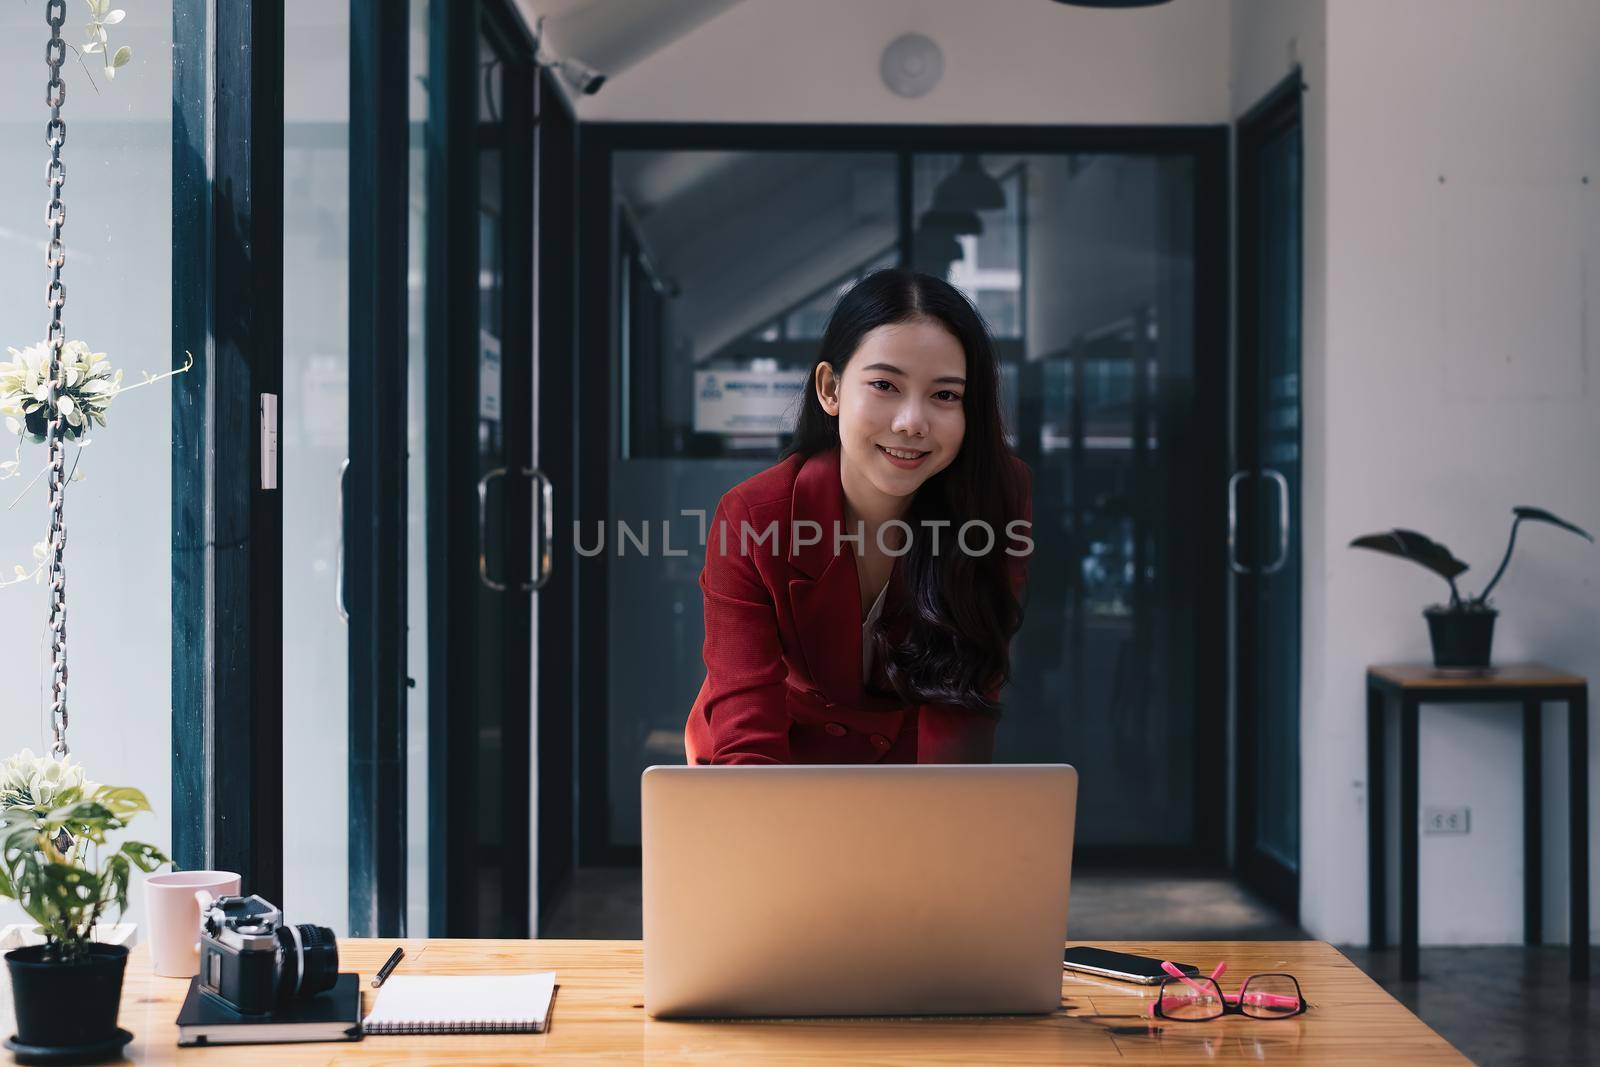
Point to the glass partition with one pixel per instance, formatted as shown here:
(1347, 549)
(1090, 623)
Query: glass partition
(729, 264)
(1084, 266)
(313, 438)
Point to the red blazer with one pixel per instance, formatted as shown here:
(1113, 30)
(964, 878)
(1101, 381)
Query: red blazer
(783, 640)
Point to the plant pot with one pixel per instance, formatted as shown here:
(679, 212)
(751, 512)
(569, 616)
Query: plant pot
(1460, 638)
(66, 1003)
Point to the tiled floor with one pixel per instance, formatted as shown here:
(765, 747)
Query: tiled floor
(1497, 1004)
(1106, 906)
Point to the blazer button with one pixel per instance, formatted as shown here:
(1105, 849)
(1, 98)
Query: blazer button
(882, 742)
(836, 729)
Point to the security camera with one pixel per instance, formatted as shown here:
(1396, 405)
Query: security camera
(580, 76)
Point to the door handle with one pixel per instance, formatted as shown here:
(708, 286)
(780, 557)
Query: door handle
(1283, 520)
(338, 552)
(483, 527)
(546, 554)
(1233, 523)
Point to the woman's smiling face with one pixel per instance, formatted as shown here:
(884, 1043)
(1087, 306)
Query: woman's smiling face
(899, 405)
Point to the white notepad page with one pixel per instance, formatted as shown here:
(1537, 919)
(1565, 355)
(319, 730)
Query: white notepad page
(420, 1004)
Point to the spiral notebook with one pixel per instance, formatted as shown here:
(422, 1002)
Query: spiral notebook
(463, 1004)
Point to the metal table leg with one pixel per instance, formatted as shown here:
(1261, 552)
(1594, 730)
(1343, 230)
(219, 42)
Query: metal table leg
(1409, 818)
(1578, 830)
(1377, 882)
(1532, 839)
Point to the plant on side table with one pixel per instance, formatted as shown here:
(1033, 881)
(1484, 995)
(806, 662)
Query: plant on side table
(57, 861)
(1461, 632)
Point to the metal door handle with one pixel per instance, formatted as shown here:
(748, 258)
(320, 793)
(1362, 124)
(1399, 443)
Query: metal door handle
(483, 527)
(1283, 520)
(546, 555)
(1233, 522)
(338, 556)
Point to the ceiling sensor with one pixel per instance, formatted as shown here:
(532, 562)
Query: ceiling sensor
(912, 65)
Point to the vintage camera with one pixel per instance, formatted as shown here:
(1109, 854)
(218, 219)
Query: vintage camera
(252, 961)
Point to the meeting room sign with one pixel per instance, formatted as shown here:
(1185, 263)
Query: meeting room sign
(747, 401)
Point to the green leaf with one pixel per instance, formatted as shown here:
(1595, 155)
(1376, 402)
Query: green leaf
(146, 857)
(116, 873)
(121, 58)
(1416, 547)
(123, 799)
(1540, 515)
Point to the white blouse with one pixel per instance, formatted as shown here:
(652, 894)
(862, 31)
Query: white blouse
(866, 633)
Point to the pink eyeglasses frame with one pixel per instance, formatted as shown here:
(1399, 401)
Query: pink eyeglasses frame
(1232, 1003)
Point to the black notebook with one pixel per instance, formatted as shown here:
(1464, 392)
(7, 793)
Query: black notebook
(331, 1016)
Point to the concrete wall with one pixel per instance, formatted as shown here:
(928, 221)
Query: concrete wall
(1005, 61)
(1448, 378)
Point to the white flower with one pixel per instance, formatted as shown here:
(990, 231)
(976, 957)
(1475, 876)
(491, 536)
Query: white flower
(37, 782)
(86, 386)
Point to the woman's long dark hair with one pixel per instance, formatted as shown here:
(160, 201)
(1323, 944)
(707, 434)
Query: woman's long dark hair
(959, 608)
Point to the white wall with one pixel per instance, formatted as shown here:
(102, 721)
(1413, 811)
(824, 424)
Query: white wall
(1448, 378)
(1005, 61)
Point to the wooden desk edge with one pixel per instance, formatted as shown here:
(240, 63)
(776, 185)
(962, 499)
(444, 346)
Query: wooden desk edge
(1415, 676)
(598, 1014)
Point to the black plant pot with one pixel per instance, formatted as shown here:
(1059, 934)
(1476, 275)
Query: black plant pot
(61, 1004)
(1461, 638)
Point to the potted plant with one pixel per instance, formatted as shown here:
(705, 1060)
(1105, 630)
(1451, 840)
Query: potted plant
(1461, 631)
(57, 861)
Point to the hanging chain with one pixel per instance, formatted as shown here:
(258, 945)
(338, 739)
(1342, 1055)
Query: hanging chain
(55, 257)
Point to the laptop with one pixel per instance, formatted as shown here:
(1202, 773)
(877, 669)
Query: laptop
(850, 890)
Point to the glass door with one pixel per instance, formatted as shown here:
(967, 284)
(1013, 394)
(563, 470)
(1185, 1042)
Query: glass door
(409, 409)
(484, 541)
(1264, 498)
(715, 265)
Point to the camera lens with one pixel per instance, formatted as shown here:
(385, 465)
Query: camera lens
(308, 961)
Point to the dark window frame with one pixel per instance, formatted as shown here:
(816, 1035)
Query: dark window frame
(374, 495)
(227, 532)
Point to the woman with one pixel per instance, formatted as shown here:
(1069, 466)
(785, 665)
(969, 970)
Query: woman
(860, 595)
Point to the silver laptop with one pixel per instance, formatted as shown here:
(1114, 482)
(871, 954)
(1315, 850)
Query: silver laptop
(847, 890)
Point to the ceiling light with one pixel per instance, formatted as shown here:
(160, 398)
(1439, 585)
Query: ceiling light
(969, 188)
(952, 220)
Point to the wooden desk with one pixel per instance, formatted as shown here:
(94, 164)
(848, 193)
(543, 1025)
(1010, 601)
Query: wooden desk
(1530, 686)
(599, 1017)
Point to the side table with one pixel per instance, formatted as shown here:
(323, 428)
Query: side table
(1528, 684)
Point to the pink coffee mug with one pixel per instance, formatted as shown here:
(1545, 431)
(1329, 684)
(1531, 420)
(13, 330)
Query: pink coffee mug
(174, 915)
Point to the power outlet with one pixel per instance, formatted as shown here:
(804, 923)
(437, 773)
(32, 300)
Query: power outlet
(1446, 820)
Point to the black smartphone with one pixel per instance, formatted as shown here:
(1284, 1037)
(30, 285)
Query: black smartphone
(1120, 965)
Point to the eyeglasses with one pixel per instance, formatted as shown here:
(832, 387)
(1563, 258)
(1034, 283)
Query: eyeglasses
(1189, 998)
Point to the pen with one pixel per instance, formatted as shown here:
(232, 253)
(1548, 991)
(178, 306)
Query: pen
(388, 967)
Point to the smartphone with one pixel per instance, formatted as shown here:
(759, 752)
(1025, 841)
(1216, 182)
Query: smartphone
(1120, 965)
